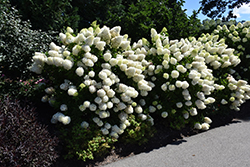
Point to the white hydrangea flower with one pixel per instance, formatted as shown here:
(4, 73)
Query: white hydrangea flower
(125, 98)
(207, 120)
(179, 104)
(101, 93)
(50, 90)
(171, 87)
(188, 103)
(115, 100)
(100, 45)
(79, 71)
(64, 86)
(143, 117)
(185, 92)
(152, 109)
(82, 108)
(200, 104)
(173, 61)
(205, 126)
(123, 116)
(159, 106)
(187, 97)
(89, 40)
(65, 120)
(181, 68)
(121, 106)
(72, 92)
(200, 95)
(164, 114)
(186, 115)
(92, 107)
(53, 53)
(105, 99)
(67, 64)
(193, 111)
(198, 126)
(100, 123)
(92, 89)
(110, 105)
(96, 119)
(114, 134)
(63, 107)
(164, 87)
(76, 49)
(108, 82)
(84, 124)
(174, 74)
(178, 84)
(107, 126)
(103, 114)
(223, 101)
(110, 93)
(102, 106)
(116, 129)
(116, 41)
(104, 131)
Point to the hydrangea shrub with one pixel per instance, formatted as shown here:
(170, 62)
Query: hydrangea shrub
(190, 76)
(236, 35)
(108, 87)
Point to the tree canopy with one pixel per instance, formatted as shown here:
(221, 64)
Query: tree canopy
(136, 17)
(217, 8)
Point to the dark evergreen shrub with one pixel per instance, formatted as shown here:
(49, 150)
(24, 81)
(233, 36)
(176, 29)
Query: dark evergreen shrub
(18, 42)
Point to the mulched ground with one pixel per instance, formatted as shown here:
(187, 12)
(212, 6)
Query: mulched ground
(163, 137)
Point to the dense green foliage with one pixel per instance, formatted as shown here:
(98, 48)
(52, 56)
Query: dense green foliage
(49, 14)
(136, 17)
(18, 42)
(139, 17)
(24, 141)
(216, 8)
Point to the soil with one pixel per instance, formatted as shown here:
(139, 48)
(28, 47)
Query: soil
(163, 137)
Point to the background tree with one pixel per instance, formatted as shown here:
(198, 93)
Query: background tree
(135, 17)
(48, 14)
(138, 17)
(216, 8)
(91, 10)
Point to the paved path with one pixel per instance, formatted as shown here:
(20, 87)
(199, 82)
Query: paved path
(225, 146)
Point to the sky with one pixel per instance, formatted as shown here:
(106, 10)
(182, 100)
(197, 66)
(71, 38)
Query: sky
(242, 13)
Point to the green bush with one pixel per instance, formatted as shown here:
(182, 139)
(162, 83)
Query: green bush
(29, 89)
(18, 42)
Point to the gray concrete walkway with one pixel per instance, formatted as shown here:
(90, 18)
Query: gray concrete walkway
(225, 146)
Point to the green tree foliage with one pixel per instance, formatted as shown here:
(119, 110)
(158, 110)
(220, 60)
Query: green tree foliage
(216, 8)
(48, 14)
(138, 17)
(91, 10)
